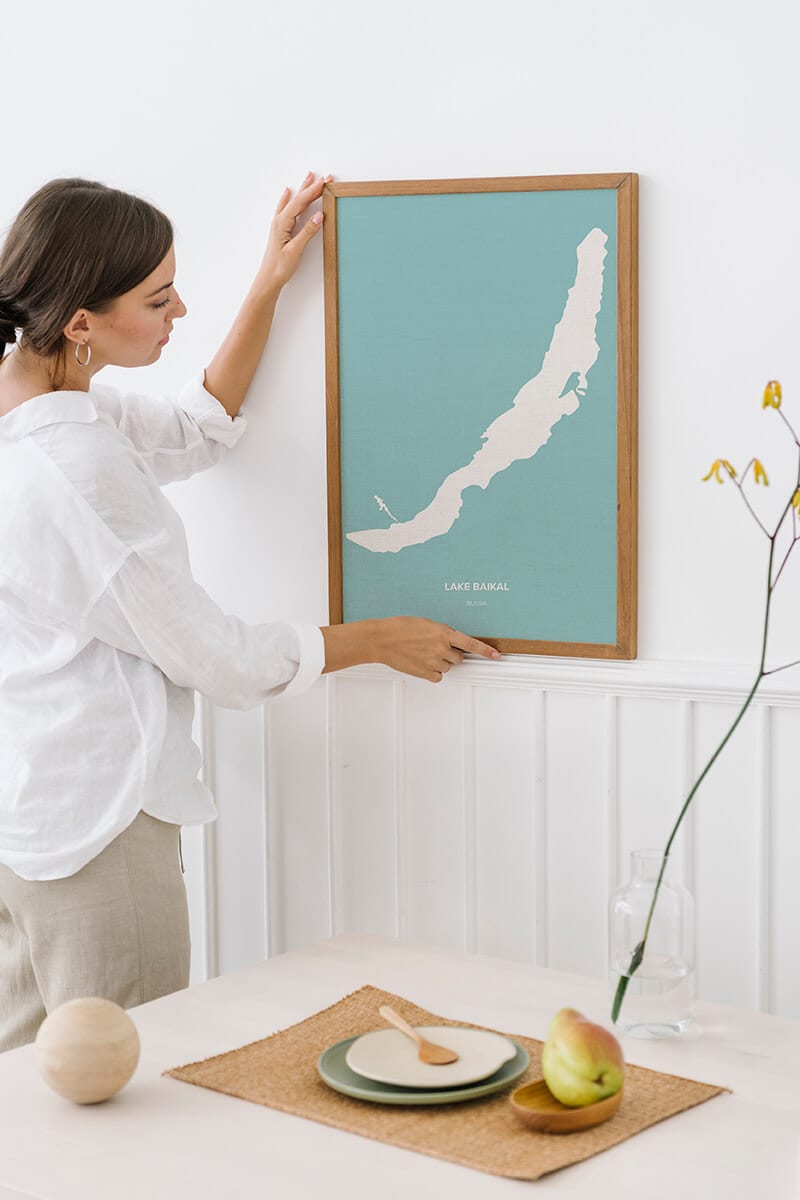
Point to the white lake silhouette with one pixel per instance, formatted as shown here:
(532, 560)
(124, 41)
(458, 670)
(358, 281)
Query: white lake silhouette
(521, 430)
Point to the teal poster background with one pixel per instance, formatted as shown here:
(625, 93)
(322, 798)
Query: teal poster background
(447, 306)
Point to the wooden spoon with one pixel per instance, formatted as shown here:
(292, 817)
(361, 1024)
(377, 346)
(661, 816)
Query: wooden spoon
(429, 1052)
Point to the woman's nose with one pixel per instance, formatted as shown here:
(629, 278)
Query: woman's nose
(180, 310)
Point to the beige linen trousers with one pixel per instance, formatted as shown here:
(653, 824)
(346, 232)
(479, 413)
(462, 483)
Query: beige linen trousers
(118, 928)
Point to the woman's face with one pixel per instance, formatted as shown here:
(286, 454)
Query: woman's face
(135, 328)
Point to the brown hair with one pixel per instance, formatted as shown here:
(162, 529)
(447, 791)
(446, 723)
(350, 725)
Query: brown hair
(75, 244)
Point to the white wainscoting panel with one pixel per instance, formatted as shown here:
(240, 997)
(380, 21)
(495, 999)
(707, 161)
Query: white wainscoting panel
(577, 832)
(727, 813)
(782, 880)
(651, 781)
(505, 856)
(433, 849)
(364, 805)
(299, 875)
(240, 838)
(200, 861)
(496, 812)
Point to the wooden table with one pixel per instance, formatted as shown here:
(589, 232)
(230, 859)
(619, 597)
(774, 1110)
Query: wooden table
(160, 1138)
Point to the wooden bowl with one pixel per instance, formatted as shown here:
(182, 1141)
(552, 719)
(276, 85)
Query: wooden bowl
(537, 1107)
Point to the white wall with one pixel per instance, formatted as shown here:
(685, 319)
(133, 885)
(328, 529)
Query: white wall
(210, 111)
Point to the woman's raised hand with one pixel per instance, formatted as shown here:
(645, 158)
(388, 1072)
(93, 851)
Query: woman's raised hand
(286, 242)
(413, 645)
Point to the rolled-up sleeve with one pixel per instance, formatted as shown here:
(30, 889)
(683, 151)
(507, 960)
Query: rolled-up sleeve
(158, 612)
(176, 437)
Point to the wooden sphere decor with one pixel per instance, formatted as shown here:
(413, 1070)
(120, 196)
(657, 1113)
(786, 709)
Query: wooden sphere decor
(87, 1049)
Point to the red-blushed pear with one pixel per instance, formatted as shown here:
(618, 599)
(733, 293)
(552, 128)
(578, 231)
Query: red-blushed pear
(563, 1016)
(581, 1062)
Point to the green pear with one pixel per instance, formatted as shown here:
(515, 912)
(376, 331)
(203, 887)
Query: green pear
(581, 1062)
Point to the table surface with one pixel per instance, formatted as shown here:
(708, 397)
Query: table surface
(163, 1138)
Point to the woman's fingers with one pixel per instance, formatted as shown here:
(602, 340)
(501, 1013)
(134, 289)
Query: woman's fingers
(311, 227)
(473, 646)
(452, 655)
(283, 200)
(310, 189)
(286, 243)
(426, 649)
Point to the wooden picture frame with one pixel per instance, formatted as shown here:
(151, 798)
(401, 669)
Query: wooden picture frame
(442, 297)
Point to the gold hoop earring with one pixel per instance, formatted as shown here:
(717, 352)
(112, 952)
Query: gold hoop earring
(88, 354)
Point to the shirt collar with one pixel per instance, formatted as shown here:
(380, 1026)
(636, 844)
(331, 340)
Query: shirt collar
(52, 408)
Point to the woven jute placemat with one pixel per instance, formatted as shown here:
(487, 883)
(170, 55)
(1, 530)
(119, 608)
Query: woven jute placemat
(281, 1072)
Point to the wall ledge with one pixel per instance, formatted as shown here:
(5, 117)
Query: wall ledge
(649, 679)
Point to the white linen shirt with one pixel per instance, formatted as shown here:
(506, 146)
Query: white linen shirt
(105, 634)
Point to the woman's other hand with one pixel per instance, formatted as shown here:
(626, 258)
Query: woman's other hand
(286, 242)
(412, 645)
(230, 372)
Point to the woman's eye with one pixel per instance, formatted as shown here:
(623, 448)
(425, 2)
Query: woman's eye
(162, 304)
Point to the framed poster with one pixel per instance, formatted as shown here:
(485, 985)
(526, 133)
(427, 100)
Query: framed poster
(481, 360)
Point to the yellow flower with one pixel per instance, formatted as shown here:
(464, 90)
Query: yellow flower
(772, 395)
(796, 500)
(759, 474)
(715, 470)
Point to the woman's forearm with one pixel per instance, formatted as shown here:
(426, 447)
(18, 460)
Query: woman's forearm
(231, 370)
(349, 645)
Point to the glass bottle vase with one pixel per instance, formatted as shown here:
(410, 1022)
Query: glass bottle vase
(660, 997)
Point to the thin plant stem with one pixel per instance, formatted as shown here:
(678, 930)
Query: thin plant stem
(638, 953)
(788, 425)
(785, 558)
(785, 667)
(750, 508)
(637, 956)
(789, 507)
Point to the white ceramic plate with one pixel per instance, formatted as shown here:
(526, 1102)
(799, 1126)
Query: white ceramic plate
(335, 1072)
(388, 1056)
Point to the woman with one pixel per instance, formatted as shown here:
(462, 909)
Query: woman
(106, 635)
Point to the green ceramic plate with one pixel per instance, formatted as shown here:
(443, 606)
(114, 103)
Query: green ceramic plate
(336, 1073)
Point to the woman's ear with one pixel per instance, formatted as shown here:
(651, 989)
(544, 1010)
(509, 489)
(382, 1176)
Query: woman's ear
(77, 327)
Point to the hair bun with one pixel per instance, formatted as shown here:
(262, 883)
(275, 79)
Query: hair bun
(9, 324)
